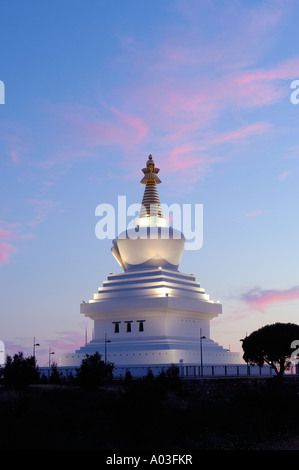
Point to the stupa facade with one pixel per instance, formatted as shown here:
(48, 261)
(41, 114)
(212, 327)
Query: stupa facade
(151, 314)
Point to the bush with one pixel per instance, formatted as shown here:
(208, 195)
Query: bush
(19, 371)
(93, 372)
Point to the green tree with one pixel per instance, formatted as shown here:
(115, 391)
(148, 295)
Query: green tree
(173, 372)
(19, 371)
(93, 372)
(56, 377)
(271, 344)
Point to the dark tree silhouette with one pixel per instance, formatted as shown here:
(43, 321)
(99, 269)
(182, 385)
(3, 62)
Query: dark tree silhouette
(271, 344)
(56, 377)
(19, 371)
(93, 372)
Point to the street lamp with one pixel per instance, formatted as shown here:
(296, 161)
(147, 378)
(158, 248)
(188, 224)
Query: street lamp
(106, 341)
(34, 344)
(50, 352)
(201, 360)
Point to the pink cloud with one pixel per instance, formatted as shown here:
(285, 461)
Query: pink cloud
(66, 155)
(286, 174)
(186, 70)
(257, 88)
(98, 125)
(16, 148)
(259, 299)
(4, 234)
(5, 252)
(293, 152)
(190, 161)
(244, 132)
(6, 248)
(17, 141)
(8, 239)
(182, 157)
(184, 117)
(134, 123)
(82, 132)
(65, 341)
(194, 160)
(253, 214)
(101, 132)
(186, 45)
(68, 341)
(184, 85)
(179, 110)
(284, 71)
(42, 207)
(184, 111)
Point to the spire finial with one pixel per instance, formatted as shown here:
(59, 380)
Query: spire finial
(150, 172)
(150, 202)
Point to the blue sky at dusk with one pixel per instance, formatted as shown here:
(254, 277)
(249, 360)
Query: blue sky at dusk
(91, 89)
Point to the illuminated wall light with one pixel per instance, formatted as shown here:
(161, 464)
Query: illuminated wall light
(164, 291)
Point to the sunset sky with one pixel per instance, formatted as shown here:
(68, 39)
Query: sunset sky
(91, 89)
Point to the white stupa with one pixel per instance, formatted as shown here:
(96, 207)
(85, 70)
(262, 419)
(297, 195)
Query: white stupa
(151, 314)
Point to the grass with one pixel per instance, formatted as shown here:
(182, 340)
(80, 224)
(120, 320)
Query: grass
(214, 415)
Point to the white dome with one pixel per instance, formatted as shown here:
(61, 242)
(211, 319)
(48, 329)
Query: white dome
(148, 247)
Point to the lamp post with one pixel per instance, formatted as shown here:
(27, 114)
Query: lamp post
(106, 341)
(34, 345)
(50, 352)
(201, 359)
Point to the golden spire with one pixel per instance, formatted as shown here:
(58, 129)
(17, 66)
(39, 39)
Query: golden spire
(150, 203)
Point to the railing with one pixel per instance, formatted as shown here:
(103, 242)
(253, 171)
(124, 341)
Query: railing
(225, 371)
(185, 371)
